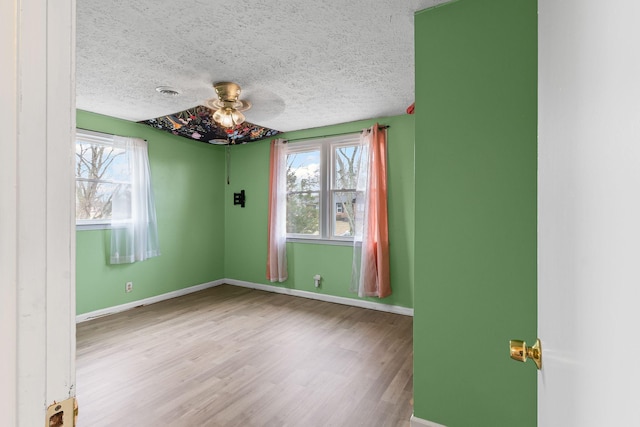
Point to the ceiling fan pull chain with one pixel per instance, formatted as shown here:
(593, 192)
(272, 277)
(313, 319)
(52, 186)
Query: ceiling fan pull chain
(228, 163)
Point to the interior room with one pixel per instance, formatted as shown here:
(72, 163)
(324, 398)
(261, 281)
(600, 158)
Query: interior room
(454, 87)
(207, 243)
(315, 86)
(512, 215)
(310, 72)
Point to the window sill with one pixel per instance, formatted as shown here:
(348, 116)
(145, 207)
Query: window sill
(332, 242)
(87, 227)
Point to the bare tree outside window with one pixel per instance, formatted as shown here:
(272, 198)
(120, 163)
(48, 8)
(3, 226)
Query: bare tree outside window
(347, 160)
(100, 171)
(303, 193)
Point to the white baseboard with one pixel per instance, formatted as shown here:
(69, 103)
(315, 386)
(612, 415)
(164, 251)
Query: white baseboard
(419, 422)
(146, 301)
(324, 297)
(269, 288)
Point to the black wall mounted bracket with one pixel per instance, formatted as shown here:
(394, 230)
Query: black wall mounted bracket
(238, 198)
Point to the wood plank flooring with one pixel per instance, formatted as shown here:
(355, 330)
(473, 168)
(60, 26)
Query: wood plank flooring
(231, 356)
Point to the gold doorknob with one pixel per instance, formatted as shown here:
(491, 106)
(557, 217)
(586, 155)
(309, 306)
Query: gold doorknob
(520, 351)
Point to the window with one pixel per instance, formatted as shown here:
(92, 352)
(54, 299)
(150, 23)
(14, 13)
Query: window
(102, 169)
(321, 188)
(113, 190)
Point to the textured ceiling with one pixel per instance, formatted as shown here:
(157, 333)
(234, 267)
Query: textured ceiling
(301, 64)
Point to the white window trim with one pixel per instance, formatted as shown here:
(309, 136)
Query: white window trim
(327, 146)
(85, 225)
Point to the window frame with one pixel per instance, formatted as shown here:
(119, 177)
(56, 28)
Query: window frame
(327, 147)
(94, 138)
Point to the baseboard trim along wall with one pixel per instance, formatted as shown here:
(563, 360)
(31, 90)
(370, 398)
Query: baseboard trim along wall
(146, 301)
(259, 286)
(324, 297)
(419, 422)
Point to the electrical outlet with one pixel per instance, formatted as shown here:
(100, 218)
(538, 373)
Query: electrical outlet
(128, 287)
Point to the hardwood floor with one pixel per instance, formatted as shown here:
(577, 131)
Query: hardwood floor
(231, 356)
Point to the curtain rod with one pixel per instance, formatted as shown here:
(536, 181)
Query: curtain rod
(334, 134)
(99, 134)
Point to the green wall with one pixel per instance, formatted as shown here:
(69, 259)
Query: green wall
(246, 228)
(188, 183)
(204, 237)
(475, 270)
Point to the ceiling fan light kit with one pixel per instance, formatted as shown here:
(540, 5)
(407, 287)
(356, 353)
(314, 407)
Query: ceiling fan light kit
(228, 117)
(228, 109)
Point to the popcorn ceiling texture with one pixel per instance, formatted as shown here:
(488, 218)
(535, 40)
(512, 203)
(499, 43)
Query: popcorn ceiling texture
(301, 64)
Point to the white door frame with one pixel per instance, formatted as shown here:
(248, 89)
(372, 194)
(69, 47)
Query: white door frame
(37, 229)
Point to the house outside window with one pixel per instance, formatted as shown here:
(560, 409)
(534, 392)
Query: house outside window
(321, 188)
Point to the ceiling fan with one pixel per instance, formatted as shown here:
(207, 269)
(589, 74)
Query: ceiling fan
(228, 108)
(219, 121)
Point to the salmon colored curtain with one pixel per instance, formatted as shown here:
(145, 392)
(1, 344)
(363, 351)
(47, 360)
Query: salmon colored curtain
(370, 271)
(277, 227)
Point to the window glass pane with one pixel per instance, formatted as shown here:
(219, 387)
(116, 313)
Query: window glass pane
(343, 204)
(346, 160)
(103, 162)
(102, 180)
(303, 171)
(93, 199)
(303, 213)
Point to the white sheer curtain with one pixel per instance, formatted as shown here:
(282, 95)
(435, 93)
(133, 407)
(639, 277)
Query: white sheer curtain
(370, 269)
(277, 228)
(134, 230)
